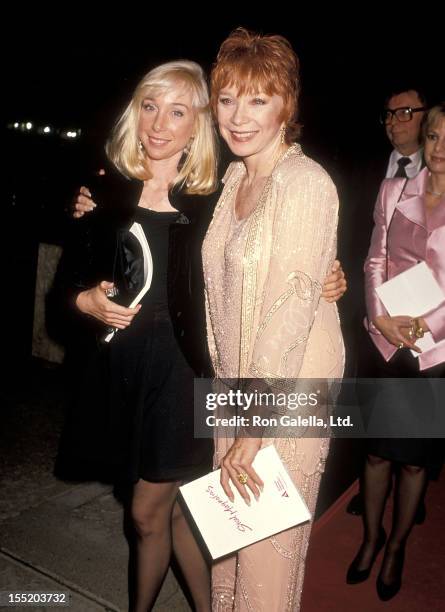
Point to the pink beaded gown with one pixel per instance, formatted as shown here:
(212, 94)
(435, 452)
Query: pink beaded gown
(266, 319)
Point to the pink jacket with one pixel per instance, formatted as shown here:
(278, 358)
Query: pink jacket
(412, 238)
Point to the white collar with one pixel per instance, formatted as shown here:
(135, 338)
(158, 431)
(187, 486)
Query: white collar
(411, 169)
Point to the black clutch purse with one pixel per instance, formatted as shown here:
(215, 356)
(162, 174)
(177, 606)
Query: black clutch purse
(132, 270)
(128, 269)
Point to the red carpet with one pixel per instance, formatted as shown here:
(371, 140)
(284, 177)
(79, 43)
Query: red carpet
(335, 541)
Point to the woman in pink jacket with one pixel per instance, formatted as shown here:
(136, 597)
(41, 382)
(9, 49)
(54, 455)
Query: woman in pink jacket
(409, 228)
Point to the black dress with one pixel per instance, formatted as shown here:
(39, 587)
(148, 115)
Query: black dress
(130, 413)
(152, 383)
(422, 452)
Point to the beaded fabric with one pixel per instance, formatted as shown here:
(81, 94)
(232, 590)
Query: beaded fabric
(265, 319)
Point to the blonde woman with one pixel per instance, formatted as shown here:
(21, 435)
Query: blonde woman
(163, 170)
(409, 228)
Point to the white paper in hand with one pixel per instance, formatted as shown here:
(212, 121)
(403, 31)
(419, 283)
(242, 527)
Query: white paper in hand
(226, 526)
(413, 293)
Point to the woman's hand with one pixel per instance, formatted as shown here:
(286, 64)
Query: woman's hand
(95, 303)
(397, 331)
(238, 461)
(82, 203)
(335, 283)
(421, 323)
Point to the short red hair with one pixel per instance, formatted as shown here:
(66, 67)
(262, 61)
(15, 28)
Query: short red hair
(252, 63)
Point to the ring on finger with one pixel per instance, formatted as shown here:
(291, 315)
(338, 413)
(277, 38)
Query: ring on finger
(113, 291)
(242, 478)
(401, 345)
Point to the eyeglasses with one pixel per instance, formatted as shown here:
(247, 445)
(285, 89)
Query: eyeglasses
(404, 113)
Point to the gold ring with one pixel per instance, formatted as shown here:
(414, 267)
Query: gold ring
(401, 345)
(242, 478)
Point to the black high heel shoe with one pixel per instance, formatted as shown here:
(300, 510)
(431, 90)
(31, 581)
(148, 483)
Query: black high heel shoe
(355, 575)
(388, 591)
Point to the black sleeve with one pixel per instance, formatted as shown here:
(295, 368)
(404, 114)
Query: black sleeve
(75, 273)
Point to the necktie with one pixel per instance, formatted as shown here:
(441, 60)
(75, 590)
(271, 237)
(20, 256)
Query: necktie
(401, 172)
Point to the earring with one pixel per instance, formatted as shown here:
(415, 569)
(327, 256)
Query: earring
(140, 146)
(283, 134)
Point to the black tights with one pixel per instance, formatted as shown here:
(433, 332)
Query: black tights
(160, 527)
(410, 485)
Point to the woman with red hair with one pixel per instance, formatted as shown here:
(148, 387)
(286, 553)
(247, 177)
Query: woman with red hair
(269, 246)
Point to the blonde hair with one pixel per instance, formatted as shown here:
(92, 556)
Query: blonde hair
(197, 169)
(434, 115)
(252, 62)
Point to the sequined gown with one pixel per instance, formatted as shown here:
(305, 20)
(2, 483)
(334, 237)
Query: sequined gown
(265, 319)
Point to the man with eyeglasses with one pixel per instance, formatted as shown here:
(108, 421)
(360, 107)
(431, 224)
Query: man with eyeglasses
(402, 117)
